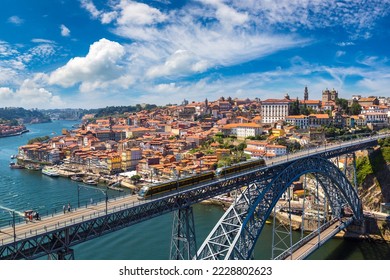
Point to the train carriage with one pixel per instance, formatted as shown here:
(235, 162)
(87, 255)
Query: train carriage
(158, 189)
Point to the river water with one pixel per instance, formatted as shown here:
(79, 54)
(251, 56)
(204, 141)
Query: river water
(22, 189)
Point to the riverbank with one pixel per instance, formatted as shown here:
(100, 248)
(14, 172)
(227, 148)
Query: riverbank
(11, 134)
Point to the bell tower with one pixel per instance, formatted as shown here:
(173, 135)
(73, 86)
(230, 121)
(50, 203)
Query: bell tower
(306, 94)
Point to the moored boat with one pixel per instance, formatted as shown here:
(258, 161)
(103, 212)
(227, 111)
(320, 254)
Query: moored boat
(14, 165)
(90, 182)
(50, 172)
(76, 178)
(33, 167)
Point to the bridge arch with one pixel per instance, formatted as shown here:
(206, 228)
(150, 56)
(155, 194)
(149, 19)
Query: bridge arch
(334, 183)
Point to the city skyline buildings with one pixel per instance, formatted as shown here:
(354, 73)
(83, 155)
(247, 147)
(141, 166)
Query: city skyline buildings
(93, 53)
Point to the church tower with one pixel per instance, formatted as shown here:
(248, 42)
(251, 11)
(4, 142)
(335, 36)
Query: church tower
(306, 94)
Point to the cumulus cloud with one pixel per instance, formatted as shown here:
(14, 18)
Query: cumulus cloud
(29, 95)
(134, 13)
(179, 63)
(65, 32)
(227, 15)
(204, 35)
(99, 66)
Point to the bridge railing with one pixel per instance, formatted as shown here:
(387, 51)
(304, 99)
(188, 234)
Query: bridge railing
(304, 240)
(67, 223)
(294, 156)
(326, 147)
(19, 219)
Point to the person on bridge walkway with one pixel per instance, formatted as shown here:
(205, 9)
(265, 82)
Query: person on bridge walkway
(63, 208)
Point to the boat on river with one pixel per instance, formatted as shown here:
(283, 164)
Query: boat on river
(50, 172)
(89, 181)
(14, 165)
(33, 167)
(76, 178)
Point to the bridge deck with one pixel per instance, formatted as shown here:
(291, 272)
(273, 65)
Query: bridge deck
(61, 220)
(310, 246)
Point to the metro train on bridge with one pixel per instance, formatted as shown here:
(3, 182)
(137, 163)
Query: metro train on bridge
(157, 189)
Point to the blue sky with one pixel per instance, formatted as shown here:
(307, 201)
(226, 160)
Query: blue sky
(95, 53)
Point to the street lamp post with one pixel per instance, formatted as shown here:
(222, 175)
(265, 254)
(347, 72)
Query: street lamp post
(78, 196)
(106, 199)
(13, 225)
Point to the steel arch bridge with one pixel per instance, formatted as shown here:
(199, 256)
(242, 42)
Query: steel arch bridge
(235, 236)
(232, 238)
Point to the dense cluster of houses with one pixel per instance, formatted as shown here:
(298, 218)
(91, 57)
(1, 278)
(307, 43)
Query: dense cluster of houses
(191, 137)
(11, 130)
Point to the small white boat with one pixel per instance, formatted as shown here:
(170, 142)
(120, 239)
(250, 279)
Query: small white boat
(90, 182)
(50, 172)
(76, 178)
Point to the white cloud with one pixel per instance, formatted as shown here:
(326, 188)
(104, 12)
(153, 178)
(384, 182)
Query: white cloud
(29, 95)
(134, 13)
(108, 17)
(91, 8)
(16, 20)
(42, 41)
(356, 16)
(214, 33)
(6, 49)
(100, 66)
(65, 32)
(5, 93)
(227, 15)
(340, 53)
(207, 35)
(179, 63)
(344, 44)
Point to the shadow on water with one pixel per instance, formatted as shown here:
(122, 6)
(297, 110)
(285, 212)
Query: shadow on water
(352, 249)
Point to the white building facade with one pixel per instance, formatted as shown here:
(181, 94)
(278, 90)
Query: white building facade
(273, 110)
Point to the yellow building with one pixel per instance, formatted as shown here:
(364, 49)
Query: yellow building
(130, 158)
(277, 132)
(221, 153)
(114, 163)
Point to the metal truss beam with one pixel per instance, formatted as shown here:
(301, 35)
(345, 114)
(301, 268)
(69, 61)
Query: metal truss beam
(183, 242)
(260, 199)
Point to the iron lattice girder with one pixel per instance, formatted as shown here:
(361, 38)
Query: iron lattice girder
(51, 241)
(183, 243)
(262, 199)
(277, 187)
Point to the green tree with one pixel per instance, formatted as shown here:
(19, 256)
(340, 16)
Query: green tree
(135, 178)
(342, 103)
(305, 111)
(295, 110)
(38, 139)
(355, 108)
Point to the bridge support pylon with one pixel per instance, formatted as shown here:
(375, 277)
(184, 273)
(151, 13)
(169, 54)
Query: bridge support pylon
(183, 242)
(66, 254)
